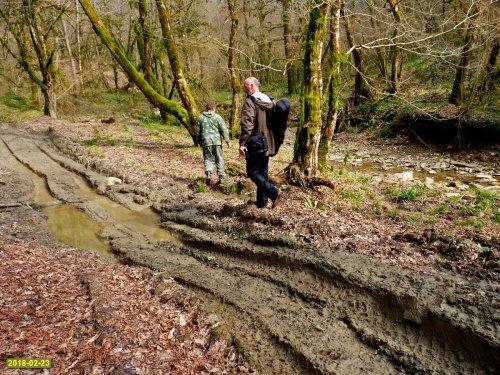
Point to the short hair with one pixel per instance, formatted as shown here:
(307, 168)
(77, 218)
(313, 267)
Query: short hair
(210, 105)
(255, 81)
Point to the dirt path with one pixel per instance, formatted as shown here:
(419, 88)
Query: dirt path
(296, 308)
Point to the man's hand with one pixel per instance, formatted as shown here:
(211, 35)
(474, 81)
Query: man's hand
(242, 150)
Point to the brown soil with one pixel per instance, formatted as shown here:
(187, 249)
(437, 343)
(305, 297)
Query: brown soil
(314, 288)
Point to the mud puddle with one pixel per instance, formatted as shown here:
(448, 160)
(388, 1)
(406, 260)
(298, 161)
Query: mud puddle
(68, 222)
(144, 221)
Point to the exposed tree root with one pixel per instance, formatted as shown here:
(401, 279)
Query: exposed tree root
(318, 181)
(296, 177)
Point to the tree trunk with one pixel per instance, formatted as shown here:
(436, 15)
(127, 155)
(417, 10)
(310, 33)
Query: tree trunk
(175, 64)
(457, 95)
(74, 65)
(45, 56)
(308, 132)
(361, 89)
(119, 55)
(380, 61)
(144, 40)
(287, 39)
(35, 90)
(490, 66)
(164, 74)
(396, 56)
(328, 127)
(246, 28)
(235, 84)
(50, 104)
(263, 44)
(78, 45)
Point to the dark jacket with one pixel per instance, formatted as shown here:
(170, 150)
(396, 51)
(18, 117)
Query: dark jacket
(262, 110)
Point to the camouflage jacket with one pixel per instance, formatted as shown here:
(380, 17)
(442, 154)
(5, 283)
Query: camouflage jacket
(209, 129)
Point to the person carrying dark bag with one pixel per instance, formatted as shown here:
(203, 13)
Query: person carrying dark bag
(257, 141)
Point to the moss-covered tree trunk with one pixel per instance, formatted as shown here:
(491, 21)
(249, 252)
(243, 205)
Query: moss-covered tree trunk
(308, 132)
(286, 18)
(264, 52)
(483, 73)
(176, 66)
(50, 100)
(144, 40)
(120, 57)
(231, 64)
(328, 127)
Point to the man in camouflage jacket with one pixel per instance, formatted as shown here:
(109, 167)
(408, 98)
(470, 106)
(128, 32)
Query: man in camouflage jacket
(209, 130)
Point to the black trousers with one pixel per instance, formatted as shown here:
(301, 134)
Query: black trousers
(258, 172)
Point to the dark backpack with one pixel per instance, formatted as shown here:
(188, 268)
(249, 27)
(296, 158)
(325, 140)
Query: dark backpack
(279, 121)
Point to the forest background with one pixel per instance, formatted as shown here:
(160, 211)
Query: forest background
(344, 64)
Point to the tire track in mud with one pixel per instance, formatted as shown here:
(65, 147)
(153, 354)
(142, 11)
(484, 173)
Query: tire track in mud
(304, 310)
(397, 313)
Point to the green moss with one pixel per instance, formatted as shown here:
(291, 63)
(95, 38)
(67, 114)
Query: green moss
(13, 100)
(438, 210)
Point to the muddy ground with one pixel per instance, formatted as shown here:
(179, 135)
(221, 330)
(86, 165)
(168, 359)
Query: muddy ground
(304, 291)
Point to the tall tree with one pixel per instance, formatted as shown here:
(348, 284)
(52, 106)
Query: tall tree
(457, 95)
(32, 29)
(396, 55)
(328, 127)
(120, 57)
(176, 66)
(72, 58)
(308, 132)
(362, 91)
(287, 40)
(144, 40)
(231, 64)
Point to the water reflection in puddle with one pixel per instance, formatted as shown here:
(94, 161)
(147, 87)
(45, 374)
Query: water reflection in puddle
(145, 221)
(73, 227)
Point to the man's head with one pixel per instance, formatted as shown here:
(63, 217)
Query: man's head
(251, 85)
(211, 105)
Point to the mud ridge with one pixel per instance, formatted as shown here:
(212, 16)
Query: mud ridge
(407, 308)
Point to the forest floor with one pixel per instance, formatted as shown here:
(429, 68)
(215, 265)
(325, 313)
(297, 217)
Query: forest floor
(374, 274)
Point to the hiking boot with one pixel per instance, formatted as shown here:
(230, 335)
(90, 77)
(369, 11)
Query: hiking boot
(208, 181)
(221, 179)
(277, 198)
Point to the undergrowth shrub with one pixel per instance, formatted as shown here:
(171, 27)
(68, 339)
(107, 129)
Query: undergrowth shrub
(410, 194)
(13, 100)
